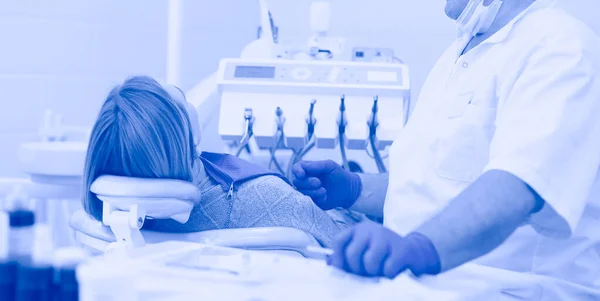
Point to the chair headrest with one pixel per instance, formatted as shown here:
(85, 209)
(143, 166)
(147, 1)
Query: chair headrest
(160, 198)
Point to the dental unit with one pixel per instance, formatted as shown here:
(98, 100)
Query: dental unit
(343, 89)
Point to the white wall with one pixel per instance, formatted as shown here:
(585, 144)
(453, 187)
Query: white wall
(66, 54)
(213, 30)
(418, 31)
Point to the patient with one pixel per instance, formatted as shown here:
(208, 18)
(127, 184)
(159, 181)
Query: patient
(145, 130)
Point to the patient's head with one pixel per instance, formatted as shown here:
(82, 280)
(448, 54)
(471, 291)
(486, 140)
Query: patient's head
(142, 131)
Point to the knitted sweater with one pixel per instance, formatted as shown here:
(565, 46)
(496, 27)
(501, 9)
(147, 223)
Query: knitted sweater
(267, 201)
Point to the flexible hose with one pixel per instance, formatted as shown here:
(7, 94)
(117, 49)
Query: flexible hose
(297, 156)
(249, 117)
(291, 164)
(238, 152)
(274, 161)
(273, 150)
(369, 152)
(373, 124)
(378, 160)
(343, 152)
(310, 124)
(243, 144)
(307, 148)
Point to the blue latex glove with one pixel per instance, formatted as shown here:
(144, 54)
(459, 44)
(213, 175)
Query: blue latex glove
(370, 249)
(327, 183)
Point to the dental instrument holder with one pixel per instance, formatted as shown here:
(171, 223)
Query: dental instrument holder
(342, 122)
(264, 85)
(248, 124)
(126, 225)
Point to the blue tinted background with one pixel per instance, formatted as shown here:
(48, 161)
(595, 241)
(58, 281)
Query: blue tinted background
(64, 55)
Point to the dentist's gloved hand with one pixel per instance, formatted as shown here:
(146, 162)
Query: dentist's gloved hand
(370, 249)
(327, 183)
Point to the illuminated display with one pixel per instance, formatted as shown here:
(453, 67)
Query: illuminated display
(254, 72)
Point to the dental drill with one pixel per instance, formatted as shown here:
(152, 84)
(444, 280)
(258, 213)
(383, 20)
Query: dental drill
(310, 139)
(279, 139)
(342, 123)
(311, 121)
(373, 123)
(248, 133)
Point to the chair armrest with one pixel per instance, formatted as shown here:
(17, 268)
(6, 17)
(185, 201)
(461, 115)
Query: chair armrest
(265, 238)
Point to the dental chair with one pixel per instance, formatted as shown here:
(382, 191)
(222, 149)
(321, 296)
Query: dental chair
(128, 202)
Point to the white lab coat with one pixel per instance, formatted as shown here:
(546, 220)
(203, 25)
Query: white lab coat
(526, 101)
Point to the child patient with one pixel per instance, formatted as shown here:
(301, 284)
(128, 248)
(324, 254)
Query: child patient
(145, 130)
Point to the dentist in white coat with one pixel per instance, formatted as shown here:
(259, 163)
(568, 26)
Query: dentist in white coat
(497, 165)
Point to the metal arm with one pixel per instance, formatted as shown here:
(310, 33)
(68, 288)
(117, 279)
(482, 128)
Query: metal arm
(342, 123)
(373, 123)
(248, 133)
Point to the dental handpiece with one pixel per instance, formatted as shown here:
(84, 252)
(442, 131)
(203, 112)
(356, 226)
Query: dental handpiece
(373, 122)
(342, 118)
(279, 135)
(248, 132)
(279, 118)
(342, 123)
(249, 117)
(311, 121)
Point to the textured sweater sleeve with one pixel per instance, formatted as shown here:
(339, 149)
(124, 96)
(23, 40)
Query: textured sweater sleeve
(270, 202)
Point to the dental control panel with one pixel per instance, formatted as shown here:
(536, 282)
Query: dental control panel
(298, 99)
(313, 73)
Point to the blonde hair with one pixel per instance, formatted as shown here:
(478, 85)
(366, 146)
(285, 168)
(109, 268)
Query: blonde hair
(140, 132)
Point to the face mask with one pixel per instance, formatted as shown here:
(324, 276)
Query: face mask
(477, 18)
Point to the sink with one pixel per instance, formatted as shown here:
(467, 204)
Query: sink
(57, 163)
